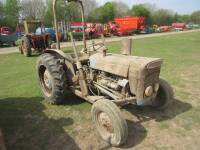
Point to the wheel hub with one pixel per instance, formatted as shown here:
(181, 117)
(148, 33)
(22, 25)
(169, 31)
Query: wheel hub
(105, 122)
(47, 80)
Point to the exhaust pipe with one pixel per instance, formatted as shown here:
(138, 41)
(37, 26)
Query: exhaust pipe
(126, 46)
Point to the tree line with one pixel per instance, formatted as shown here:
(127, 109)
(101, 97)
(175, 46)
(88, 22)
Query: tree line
(14, 11)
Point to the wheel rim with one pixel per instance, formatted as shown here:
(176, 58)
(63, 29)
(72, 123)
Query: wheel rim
(46, 81)
(105, 125)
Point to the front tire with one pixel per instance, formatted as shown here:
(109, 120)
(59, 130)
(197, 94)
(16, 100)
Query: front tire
(109, 122)
(52, 78)
(165, 95)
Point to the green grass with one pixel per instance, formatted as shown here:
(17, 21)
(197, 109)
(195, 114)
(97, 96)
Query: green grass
(28, 122)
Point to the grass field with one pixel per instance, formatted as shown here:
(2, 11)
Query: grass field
(29, 123)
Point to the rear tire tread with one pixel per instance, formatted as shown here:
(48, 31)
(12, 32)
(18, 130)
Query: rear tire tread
(28, 51)
(58, 74)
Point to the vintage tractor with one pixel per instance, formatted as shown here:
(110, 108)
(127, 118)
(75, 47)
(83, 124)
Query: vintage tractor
(107, 81)
(31, 40)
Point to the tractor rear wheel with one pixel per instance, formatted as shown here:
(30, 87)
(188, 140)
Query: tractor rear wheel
(165, 95)
(26, 46)
(52, 78)
(109, 122)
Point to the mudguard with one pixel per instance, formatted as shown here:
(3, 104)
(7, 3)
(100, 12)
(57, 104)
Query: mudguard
(60, 54)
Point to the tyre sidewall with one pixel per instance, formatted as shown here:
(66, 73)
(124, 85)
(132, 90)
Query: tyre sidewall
(27, 49)
(114, 117)
(41, 63)
(55, 97)
(166, 89)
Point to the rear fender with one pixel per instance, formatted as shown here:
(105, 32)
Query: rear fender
(60, 54)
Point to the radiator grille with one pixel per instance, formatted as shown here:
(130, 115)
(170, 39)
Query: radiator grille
(152, 77)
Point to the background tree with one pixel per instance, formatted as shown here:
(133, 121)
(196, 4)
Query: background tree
(69, 12)
(2, 14)
(102, 14)
(11, 10)
(163, 17)
(1, 10)
(72, 11)
(141, 10)
(32, 9)
(195, 17)
(89, 6)
(181, 18)
(121, 9)
(48, 19)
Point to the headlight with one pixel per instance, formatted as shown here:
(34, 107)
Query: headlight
(149, 91)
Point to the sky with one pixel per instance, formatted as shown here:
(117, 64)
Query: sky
(180, 6)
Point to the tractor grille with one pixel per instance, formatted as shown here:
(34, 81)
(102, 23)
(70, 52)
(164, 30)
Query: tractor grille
(152, 77)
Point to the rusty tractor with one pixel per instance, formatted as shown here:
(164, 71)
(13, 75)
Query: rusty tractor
(107, 81)
(31, 40)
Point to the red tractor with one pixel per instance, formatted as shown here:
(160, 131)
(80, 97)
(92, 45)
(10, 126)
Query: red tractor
(31, 40)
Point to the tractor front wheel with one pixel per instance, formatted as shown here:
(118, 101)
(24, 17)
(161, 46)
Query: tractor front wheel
(52, 78)
(109, 122)
(26, 46)
(165, 95)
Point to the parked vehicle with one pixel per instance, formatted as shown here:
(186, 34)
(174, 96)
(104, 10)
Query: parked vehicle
(5, 31)
(6, 36)
(179, 26)
(49, 31)
(163, 29)
(147, 30)
(33, 41)
(19, 30)
(196, 26)
(192, 26)
(8, 39)
(127, 25)
(105, 80)
(76, 28)
(92, 30)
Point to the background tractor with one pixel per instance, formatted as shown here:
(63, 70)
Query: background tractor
(107, 81)
(31, 40)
